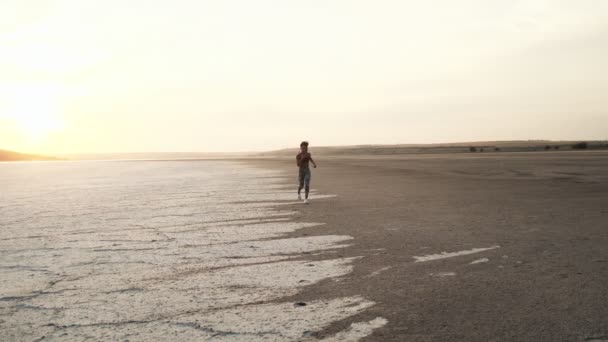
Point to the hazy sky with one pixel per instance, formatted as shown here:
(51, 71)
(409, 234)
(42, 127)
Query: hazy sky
(239, 75)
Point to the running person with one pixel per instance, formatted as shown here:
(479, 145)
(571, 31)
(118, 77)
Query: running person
(302, 160)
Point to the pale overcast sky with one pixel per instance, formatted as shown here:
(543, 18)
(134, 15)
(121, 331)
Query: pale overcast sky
(239, 75)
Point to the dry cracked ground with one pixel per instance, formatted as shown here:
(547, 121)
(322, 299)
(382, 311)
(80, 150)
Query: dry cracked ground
(144, 251)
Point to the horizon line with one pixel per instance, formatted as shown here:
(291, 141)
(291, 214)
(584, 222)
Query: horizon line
(295, 146)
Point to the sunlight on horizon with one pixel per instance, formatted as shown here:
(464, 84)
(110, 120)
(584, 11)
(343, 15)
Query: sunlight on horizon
(240, 76)
(34, 113)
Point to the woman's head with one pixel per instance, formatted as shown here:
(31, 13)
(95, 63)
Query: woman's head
(304, 146)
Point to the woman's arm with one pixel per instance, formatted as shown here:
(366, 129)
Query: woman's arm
(312, 161)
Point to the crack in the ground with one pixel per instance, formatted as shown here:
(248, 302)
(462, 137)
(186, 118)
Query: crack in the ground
(216, 332)
(127, 249)
(24, 268)
(17, 298)
(130, 289)
(38, 308)
(32, 295)
(25, 237)
(196, 326)
(100, 324)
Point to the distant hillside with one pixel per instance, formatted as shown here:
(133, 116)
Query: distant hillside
(15, 156)
(463, 147)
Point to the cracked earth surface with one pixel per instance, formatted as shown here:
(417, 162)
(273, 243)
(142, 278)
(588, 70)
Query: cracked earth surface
(183, 250)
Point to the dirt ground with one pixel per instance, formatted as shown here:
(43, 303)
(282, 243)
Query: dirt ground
(544, 216)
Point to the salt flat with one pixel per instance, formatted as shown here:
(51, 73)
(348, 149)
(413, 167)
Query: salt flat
(164, 250)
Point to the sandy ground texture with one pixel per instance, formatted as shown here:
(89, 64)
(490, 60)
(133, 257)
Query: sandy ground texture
(493, 247)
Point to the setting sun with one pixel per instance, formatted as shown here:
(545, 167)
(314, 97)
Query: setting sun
(34, 113)
(36, 121)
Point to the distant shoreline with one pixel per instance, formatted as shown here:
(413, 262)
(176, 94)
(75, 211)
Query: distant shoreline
(11, 156)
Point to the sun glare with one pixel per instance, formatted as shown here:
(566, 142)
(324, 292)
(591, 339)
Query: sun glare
(38, 126)
(35, 113)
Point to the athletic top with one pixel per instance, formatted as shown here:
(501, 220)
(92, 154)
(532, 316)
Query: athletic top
(302, 159)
